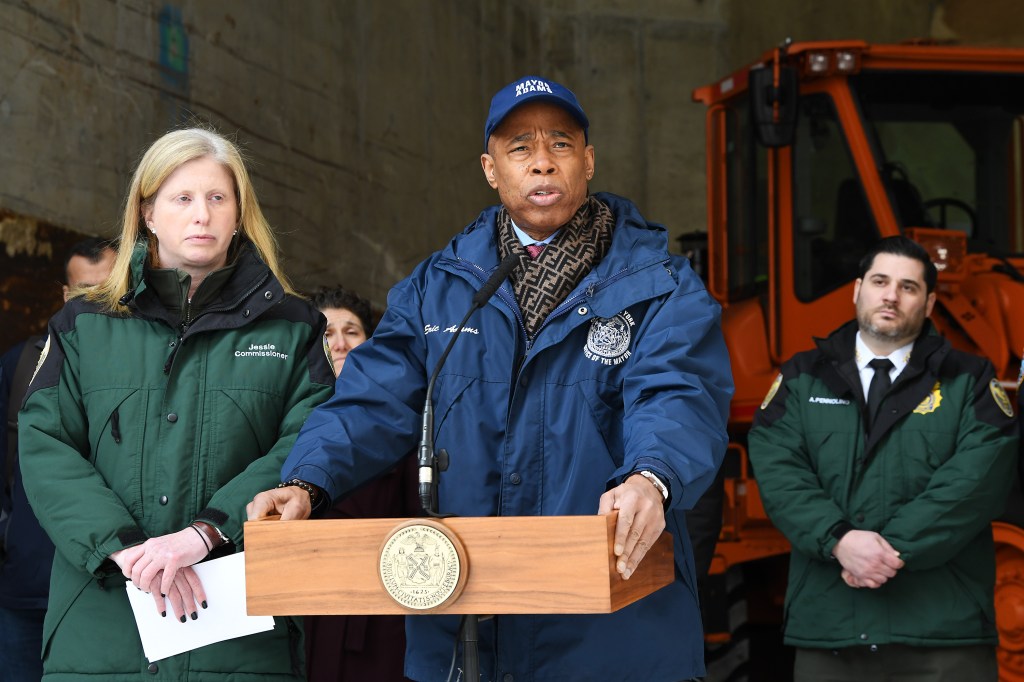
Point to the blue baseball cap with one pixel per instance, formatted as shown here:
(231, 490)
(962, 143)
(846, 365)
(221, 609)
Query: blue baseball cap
(532, 89)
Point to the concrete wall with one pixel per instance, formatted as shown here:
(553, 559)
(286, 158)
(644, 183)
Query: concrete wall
(363, 119)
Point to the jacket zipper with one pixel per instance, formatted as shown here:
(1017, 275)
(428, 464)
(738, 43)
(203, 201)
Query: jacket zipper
(115, 425)
(570, 302)
(183, 327)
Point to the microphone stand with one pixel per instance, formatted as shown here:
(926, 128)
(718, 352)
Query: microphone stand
(431, 463)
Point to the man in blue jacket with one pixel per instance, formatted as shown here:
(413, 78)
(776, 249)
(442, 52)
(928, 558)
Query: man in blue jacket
(596, 379)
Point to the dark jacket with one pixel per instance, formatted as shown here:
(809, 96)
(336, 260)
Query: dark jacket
(27, 552)
(629, 371)
(354, 648)
(930, 476)
(137, 425)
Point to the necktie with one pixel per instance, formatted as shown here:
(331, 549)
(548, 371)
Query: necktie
(534, 250)
(880, 384)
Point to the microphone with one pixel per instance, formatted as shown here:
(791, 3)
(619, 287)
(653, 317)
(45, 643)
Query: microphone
(429, 463)
(505, 268)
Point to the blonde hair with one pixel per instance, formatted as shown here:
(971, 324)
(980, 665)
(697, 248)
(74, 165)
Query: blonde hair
(162, 158)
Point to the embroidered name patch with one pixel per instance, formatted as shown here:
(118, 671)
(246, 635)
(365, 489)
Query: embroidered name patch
(828, 401)
(261, 350)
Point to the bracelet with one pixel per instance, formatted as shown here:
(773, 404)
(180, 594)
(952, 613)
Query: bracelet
(212, 533)
(220, 535)
(203, 536)
(301, 484)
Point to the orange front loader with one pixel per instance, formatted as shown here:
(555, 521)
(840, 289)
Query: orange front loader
(813, 153)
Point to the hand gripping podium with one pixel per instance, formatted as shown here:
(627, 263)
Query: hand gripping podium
(457, 565)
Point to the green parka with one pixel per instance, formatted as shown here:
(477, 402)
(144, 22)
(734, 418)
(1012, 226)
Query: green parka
(929, 477)
(137, 425)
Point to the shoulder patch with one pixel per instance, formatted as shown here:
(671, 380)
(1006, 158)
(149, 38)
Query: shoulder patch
(932, 402)
(998, 394)
(42, 359)
(772, 391)
(327, 352)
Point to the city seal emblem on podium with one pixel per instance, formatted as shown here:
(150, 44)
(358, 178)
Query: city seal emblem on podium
(422, 565)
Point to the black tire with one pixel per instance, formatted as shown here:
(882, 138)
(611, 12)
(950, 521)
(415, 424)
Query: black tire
(730, 661)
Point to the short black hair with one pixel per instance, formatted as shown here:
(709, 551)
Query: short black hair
(908, 248)
(339, 297)
(91, 249)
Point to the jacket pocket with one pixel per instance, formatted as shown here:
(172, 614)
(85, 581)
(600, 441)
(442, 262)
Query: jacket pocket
(795, 590)
(921, 455)
(819, 605)
(117, 437)
(965, 611)
(241, 426)
(62, 599)
(675, 523)
(605, 410)
(448, 394)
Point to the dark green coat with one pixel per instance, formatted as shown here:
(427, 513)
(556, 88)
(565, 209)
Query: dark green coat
(133, 429)
(930, 477)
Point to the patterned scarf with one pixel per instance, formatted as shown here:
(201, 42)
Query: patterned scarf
(541, 285)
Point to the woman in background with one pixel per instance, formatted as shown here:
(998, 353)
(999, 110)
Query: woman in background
(356, 648)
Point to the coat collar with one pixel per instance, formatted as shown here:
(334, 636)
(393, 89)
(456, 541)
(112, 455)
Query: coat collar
(605, 291)
(912, 386)
(157, 290)
(930, 348)
(636, 243)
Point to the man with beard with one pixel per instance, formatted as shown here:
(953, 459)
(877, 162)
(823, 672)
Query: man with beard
(883, 455)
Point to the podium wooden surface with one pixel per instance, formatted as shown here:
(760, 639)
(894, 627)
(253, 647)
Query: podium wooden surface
(535, 564)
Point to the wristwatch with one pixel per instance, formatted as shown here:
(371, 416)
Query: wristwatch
(658, 483)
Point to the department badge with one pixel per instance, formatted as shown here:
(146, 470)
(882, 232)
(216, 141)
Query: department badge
(932, 402)
(421, 565)
(608, 339)
(772, 391)
(999, 395)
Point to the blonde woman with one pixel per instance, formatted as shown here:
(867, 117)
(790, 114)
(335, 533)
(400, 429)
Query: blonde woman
(167, 397)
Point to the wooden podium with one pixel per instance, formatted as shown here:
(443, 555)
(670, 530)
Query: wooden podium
(523, 565)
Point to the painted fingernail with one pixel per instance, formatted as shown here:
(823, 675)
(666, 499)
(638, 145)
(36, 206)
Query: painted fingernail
(204, 603)
(182, 618)
(194, 615)
(163, 614)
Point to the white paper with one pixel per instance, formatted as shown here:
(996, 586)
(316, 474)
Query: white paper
(224, 618)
